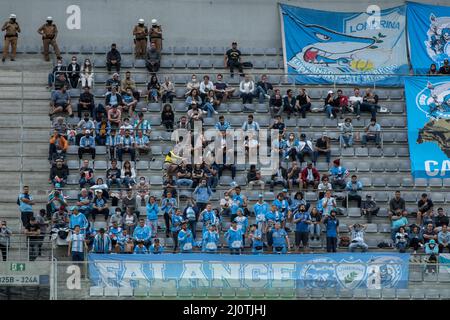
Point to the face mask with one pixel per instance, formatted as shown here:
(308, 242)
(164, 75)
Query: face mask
(59, 64)
(74, 61)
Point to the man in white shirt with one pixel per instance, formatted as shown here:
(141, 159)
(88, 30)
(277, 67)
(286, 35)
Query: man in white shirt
(77, 245)
(328, 203)
(205, 87)
(357, 237)
(247, 88)
(355, 101)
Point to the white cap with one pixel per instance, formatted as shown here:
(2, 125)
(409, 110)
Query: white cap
(49, 18)
(154, 21)
(12, 15)
(331, 91)
(88, 131)
(141, 20)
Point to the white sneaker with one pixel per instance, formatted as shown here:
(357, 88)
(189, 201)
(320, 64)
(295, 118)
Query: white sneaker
(205, 112)
(215, 112)
(267, 96)
(331, 117)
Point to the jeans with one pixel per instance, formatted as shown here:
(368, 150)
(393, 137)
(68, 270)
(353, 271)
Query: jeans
(346, 140)
(175, 240)
(366, 138)
(131, 151)
(109, 66)
(33, 249)
(260, 93)
(110, 182)
(317, 153)
(372, 108)
(128, 182)
(184, 183)
(83, 182)
(168, 95)
(301, 155)
(104, 212)
(167, 222)
(247, 97)
(54, 154)
(304, 108)
(77, 256)
(401, 246)
(331, 244)
(213, 181)
(51, 79)
(314, 230)
(209, 107)
(89, 108)
(331, 111)
(100, 141)
(355, 245)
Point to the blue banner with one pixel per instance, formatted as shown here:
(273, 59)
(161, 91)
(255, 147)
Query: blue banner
(345, 48)
(428, 35)
(428, 113)
(340, 270)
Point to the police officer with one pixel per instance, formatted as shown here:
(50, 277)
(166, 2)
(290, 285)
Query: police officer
(156, 35)
(49, 31)
(12, 29)
(140, 33)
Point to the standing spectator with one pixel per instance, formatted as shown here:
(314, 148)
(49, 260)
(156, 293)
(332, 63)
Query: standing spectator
(314, 227)
(444, 239)
(168, 117)
(153, 88)
(369, 208)
(167, 91)
(25, 202)
(280, 239)
(425, 205)
(205, 86)
(264, 89)
(168, 205)
(87, 74)
(338, 175)
(113, 59)
(59, 174)
(12, 32)
(61, 102)
(289, 103)
(127, 145)
(185, 239)
(177, 220)
(76, 218)
(353, 187)
(33, 233)
(128, 175)
(191, 214)
(247, 88)
(256, 235)
(232, 60)
(57, 70)
(276, 103)
(203, 193)
(431, 249)
(303, 103)
(73, 72)
(396, 203)
(77, 245)
(302, 221)
(346, 136)
(113, 175)
(357, 237)
(5, 235)
(331, 105)
(152, 210)
(234, 238)
(355, 102)
(401, 240)
(369, 103)
(445, 69)
(191, 85)
(305, 147)
(221, 89)
(433, 71)
(328, 203)
(155, 35)
(322, 147)
(310, 176)
(415, 238)
(86, 102)
(332, 229)
(87, 145)
(102, 242)
(373, 133)
(140, 32)
(58, 146)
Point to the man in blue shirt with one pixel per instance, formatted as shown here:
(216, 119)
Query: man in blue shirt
(260, 209)
(338, 175)
(222, 125)
(332, 228)
(280, 239)
(127, 145)
(156, 247)
(142, 233)
(77, 245)
(255, 237)
(152, 215)
(140, 248)
(208, 217)
(353, 187)
(102, 242)
(234, 238)
(210, 240)
(302, 220)
(25, 202)
(87, 145)
(185, 239)
(78, 219)
(203, 193)
(177, 220)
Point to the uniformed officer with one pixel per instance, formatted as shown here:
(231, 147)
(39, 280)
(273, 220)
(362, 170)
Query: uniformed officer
(156, 35)
(12, 32)
(140, 33)
(49, 31)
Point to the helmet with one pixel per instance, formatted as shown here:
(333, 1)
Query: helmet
(49, 18)
(12, 16)
(154, 21)
(141, 20)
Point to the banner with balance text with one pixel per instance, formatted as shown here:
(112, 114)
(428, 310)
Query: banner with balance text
(428, 114)
(345, 48)
(340, 270)
(428, 35)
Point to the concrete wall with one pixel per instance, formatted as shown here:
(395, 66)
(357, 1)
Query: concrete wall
(185, 22)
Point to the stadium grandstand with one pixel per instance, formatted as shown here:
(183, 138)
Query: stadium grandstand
(151, 143)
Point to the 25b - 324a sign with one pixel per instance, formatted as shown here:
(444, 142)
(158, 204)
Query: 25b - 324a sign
(19, 280)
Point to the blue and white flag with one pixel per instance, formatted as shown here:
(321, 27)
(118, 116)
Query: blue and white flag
(428, 112)
(428, 35)
(345, 48)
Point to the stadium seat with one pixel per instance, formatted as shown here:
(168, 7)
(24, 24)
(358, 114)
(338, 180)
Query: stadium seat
(125, 292)
(374, 294)
(271, 51)
(354, 212)
(218, 51)
(360, 294)
(96, 291)
(111, 291)
(205, 50)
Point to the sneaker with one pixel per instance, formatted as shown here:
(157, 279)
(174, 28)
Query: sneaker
(215, 112)
(358, 117)
(331, 117)
(267, 96)
(421, 245)
(13, 59)
(232, 75)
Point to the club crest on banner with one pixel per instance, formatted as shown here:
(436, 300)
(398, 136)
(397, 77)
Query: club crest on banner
(438, 42)
(351, 274)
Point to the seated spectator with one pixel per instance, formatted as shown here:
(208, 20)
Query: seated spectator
(415, 238)
(303, 103)
(58, 146)
(355, 103)
(60, 126)
(87, 74)
(192, 84)
(323, 147)
(184, 175)
(424, 205)
(113, 82)
(84, 124)
(369, 208)
(429, 233)
(246, 89)
(433, 70)
(129, 200)
(232, 60)
(128, 83)
(128, 175)
(310, 176)
(99, 205)
(264, 89)
(61, 81)
(211, 173)
(279, 125)
(342, 102)
(129, 102)
(102, 131)
(357, 237)
(291, 148)
(205, 87)
(440, 220)
(372, 133)
(398, 219)
(254, 178)
(84, 202)
(142, 189)
(142, 233)
(198, 174)
(127, 145)
(61, 102)
(305, 147)
(112, 141)
(346, 136)
(142, 125)
(445, 69)
(401, 240)
(396, 203)
(370, 103)
(99, 184)
(59, 173)
(113, 175)
(195, 114)
(60, 218)
(167, 91)
(168, 117)
(130, 221)
(299, 199)
(211, 103)
(86, 175)
(276, 103)
(250, 124)
(100, 112)
(353, 187)
(428, 217)
(225, 165)
(58, 69)
(222, 90)
(444, 239)
(113, 59)
(142, 144)
(87, 145)
(294, 176)
(331, 105)
(156, 247)
(222, 125)
(324, 185)
(278, 177)
(114, 100)
(193, 99)
(73, 72)
(153, 59)
(86, 102)
(289, 103)
(328, 203)
(338, 175)
(153, 89)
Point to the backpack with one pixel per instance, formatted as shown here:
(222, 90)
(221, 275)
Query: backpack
(344, 241)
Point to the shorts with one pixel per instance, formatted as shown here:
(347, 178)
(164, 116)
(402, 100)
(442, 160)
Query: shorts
(301, 237)
(64, 105)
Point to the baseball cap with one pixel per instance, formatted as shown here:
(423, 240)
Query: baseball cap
(285, 190)
(331, 91)
(432, 241)
(260, 195)
(74, 208)
(115, 74)
(325, 134)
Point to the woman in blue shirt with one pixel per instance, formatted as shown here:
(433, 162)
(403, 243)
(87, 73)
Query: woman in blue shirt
(152, 215)
(177, 220)
(255, 237)
(185, 239)
(210, 240)
(280, 239)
